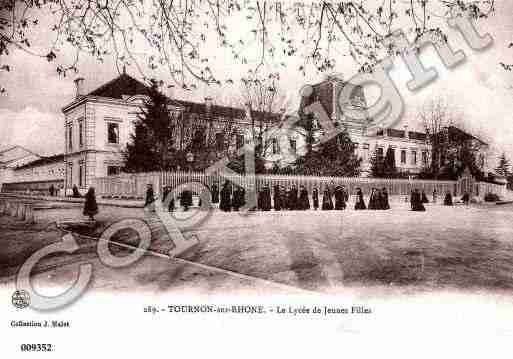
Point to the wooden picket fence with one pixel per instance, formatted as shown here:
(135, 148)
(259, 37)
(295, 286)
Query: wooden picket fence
(134, 185)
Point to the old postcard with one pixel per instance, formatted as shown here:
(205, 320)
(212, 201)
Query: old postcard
(247, 178)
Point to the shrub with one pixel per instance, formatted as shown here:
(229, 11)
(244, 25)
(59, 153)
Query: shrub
(491, 197)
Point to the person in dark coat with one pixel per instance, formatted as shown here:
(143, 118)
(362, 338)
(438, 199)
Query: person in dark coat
(340, 203)
(287, 198)
(465, 198)
(327, 204)
(448, 199)
(277, 198)
(90, 205)
(423, 197)
(215, 193)
(360, 203)
(266, 198)
(417, 204)
(293, 200)
(345, 196)
(150, 196)
(435, 195)
(167, 192)
(76, 193)
(315, 198)
(226, 197)
(379, 199)
(186, 199)
(373, 199)
(304, 201)
(260, 199)
(384, 199)
(52, 190)
(238, 198)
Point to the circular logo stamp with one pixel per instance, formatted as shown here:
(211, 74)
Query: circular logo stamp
(21, 299)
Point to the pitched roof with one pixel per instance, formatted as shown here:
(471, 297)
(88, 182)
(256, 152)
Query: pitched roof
(126, 85)
(121, 85)
(22, 152)
(43, 161)
(457, 134)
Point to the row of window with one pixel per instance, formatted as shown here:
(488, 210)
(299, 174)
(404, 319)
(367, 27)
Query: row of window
(413, 157)
(38, 172)
(276, 146)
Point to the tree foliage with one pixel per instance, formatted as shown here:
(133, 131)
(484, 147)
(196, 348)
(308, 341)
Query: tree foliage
(335, 157)
(152, 145)
(377, 163)
(384, 166)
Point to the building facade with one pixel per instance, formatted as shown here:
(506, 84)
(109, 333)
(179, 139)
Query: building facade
(98, 125)
(411, 148)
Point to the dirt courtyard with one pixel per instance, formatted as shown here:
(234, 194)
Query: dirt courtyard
(444, 248)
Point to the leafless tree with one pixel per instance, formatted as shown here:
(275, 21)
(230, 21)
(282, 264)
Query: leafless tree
(266, 106)
(436, 116)
(178, 35)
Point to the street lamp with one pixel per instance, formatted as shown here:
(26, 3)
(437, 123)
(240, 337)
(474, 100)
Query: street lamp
(189, 157)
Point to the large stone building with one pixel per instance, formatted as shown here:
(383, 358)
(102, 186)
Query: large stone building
(97, 126)
(412, 151)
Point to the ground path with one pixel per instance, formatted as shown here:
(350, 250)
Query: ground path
(327, 251)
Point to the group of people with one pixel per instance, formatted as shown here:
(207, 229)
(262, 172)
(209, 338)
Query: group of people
(286, 198)
(54, 191)
(378, 199)
(232, 197)
(448, 200)
(417, 200)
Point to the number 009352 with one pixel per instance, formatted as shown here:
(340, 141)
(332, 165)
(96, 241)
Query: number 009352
(36, 347)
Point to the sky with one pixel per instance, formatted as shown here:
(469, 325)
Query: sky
(30, 112)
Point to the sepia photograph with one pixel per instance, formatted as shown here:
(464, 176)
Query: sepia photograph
(248, 178)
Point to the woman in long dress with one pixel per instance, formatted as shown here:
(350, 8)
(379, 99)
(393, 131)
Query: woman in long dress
(266, 198)
(238, 198)
(315, 198)
(423, 197)
(372, 199)
(384, 199)
(276, 198)
(90, 205)
(293, 198)
(215, 193)
(327, 204)
(226, 201)
(417, 204)
(304, 202)
(360, 203)
(448, 199)
(340, 204)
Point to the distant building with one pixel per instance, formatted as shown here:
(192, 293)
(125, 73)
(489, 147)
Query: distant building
(38, 175)
(97, 127)
(412, 152)
(13, 157)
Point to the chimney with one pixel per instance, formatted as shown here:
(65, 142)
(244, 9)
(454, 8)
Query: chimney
(79, 87)
(406, 133)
